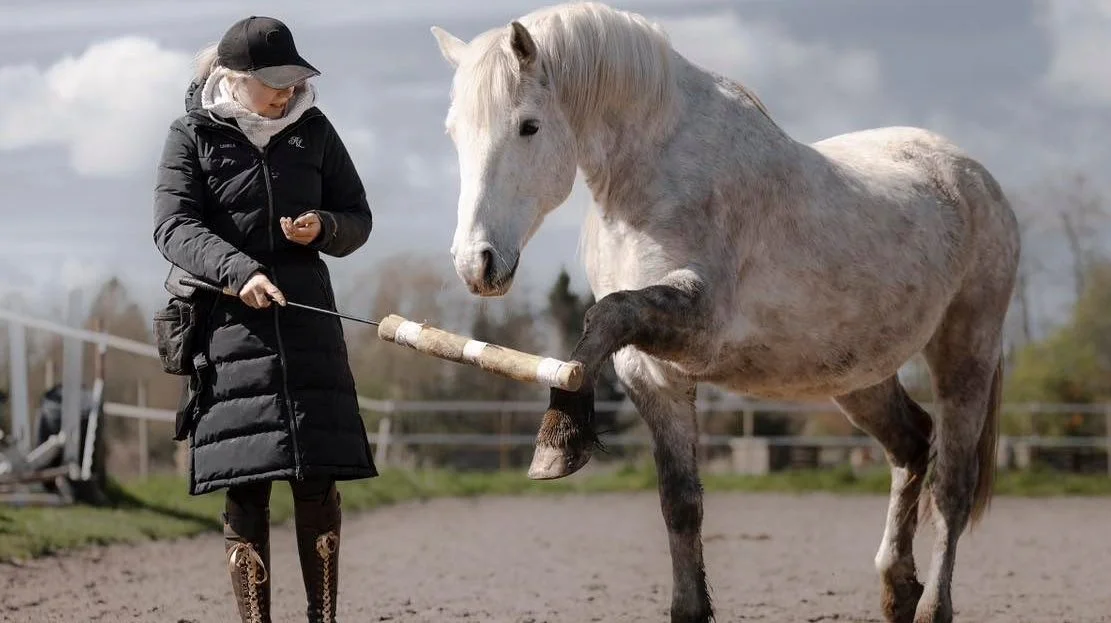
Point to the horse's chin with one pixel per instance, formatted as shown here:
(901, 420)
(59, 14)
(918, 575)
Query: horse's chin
(491, 289)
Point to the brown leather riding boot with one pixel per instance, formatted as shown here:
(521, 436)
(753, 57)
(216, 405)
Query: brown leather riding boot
(247, 546)
(317, 521)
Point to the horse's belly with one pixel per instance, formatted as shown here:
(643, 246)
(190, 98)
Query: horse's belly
(816, 361)
(756, 370)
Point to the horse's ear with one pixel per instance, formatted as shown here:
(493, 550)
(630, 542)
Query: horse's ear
(450, 45)
(523, 45)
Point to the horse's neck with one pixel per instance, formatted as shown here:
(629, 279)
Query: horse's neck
(614, 159)
(614, 143)
(625, 156)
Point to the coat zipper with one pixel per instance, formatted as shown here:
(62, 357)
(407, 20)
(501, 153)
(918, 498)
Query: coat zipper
(286, 400)
(277, 328)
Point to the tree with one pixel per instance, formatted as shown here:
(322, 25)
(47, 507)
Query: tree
(1073, 364)
(1073, 209)
(1030, 265)
(414, 287)
(1081, 210)
(114, 311)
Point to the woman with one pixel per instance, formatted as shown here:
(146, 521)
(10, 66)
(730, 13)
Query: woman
(253, 185)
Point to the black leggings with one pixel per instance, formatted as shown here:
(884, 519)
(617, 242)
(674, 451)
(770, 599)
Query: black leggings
(316, 507)
(257, 494)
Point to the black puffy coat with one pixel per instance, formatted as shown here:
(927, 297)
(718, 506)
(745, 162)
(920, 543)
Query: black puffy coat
(277, 398)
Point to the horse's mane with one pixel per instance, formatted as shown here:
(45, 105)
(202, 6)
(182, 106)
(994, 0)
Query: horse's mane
(597, 55)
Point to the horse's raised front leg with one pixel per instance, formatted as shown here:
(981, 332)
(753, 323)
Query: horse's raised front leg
(903, 428)
(665, 320)
(667, 406)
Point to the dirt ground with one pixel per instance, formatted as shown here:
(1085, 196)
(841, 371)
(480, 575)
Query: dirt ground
(599, 558)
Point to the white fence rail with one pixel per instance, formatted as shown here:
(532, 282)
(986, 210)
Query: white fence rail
(392, 411)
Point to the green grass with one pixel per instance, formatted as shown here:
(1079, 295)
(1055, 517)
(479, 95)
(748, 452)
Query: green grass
(159, 508)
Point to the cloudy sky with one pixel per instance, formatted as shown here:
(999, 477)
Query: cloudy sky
(88, 87)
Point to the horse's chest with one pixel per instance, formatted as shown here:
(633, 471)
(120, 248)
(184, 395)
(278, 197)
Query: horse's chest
(619, 257)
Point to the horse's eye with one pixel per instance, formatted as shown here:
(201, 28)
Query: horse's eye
(529, 127)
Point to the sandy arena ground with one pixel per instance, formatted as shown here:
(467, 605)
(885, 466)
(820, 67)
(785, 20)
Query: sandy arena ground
(576, 559)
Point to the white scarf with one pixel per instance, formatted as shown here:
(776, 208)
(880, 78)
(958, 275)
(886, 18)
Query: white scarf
(218, 97)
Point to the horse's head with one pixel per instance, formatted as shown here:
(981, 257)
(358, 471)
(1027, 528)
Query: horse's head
(515, 147)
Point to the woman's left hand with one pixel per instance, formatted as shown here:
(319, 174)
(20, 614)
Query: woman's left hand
(303, 230)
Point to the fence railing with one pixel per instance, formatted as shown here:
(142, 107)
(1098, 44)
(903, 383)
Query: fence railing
(389, 411)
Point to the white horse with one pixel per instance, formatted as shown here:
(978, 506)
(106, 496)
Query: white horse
(723, 251)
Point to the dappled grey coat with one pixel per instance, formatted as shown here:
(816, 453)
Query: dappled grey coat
(277, 398)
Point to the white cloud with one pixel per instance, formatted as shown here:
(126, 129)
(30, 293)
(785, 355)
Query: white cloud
(20, 16)
(825, 89)
(108, 108)
(748, 51)
(1079, 33)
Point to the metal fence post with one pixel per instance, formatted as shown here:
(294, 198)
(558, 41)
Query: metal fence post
(97, 406)
(72, 394)
(19, 398)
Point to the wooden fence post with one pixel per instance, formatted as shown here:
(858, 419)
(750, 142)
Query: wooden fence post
(382, 448)
(144, 440)
(1107, 436)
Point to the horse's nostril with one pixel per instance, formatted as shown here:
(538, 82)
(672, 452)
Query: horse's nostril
(487, 265)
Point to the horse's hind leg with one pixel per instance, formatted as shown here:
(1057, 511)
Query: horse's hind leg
(902, 427)
(667, 406)
(966, 365)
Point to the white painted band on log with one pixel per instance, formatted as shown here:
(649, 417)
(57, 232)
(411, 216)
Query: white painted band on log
(407, 333)
(472, 349)
(547, 371)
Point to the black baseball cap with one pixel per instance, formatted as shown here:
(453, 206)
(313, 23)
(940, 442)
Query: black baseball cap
(263, 47)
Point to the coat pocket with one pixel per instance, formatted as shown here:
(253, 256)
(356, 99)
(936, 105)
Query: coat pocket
(175, 329)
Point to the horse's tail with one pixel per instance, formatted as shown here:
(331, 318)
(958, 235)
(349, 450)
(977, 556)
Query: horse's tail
(986, 448)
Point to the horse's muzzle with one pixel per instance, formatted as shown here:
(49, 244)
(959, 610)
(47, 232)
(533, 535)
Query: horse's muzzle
(485, 272)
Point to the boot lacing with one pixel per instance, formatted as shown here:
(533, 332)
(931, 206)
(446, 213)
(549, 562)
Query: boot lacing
(325, 547)
(244, 556)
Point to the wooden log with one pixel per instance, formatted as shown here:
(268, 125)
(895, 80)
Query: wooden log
(507, 362)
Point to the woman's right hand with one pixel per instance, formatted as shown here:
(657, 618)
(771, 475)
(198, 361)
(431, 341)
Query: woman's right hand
(258, 292)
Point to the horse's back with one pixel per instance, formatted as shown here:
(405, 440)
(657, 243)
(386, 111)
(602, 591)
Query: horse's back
(910, 159)
(895, 152)
(887, 136)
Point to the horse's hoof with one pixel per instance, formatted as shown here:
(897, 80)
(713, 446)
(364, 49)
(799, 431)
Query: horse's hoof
(549, 463)
(900, 600)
